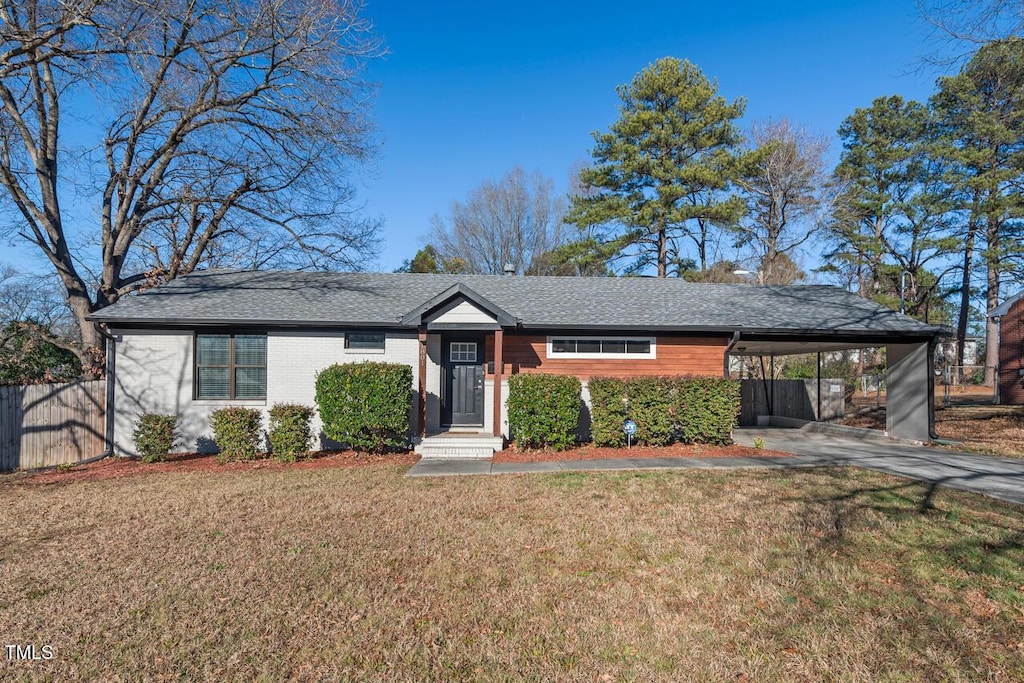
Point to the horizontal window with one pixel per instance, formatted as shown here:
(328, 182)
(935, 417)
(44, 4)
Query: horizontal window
(601, 347)
(231, 366)
(364, 341)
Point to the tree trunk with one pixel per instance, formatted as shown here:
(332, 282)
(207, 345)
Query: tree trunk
(965, 290)
(92, 350)
(662, 253)
(992, 300)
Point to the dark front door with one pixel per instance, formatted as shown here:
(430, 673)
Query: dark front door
(464, 395)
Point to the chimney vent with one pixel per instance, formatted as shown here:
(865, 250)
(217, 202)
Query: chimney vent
(509, 269)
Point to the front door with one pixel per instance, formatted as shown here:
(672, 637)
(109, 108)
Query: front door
(464, 390)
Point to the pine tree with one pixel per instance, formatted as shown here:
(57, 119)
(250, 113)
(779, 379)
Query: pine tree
(981, 110)
(893, 215)
(663, 170)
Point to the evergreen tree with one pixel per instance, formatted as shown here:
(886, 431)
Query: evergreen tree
(427, 260)
(981, 110)
(894, 211)
(663, 170)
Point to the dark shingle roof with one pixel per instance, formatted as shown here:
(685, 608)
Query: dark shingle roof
(316, 298)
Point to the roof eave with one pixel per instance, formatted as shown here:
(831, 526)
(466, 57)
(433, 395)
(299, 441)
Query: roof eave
(242, 322)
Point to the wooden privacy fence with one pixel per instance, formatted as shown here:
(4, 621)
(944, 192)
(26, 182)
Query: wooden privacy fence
(796, 398)
(44, 425)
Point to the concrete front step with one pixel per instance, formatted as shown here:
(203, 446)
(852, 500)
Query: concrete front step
(469, 446)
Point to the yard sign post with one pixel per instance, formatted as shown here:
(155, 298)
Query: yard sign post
(630, 428)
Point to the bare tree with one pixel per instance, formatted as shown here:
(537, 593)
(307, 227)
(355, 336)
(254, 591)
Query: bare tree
(784, 185)
(959, 27)
(35, 299)
(224, 129)
(516, 220)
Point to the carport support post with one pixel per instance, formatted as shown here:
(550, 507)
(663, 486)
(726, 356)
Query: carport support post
(908, 412)
(817, 415)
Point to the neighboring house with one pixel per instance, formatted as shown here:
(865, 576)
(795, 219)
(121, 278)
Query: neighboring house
(219, 338)
(946, 352)
(1010, 317)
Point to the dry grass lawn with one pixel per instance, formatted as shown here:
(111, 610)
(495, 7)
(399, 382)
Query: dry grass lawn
(988, 429)
(359, 573)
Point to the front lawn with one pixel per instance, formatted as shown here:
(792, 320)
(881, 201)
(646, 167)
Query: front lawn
(358, 572)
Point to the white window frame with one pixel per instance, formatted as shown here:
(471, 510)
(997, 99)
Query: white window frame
(465, 346)
(653, 353)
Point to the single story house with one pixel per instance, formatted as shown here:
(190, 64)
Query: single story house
(1010, 317)
(255, 338)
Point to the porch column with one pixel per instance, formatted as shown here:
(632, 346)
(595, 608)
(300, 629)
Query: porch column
(421, 417)
(908, 410)
(499, 366)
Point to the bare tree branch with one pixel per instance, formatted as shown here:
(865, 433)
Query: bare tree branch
(232, 128)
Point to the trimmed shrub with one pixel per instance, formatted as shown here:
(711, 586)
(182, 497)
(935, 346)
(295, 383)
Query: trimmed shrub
(652, 405)
(237, 432)
(707, 410)
(609, 409)
(290, 431)
(154, 436)
(544, 410)
(366, 405)
(665, 409)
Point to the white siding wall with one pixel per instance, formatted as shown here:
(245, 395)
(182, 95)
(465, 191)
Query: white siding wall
(154, 374)
(464, 312)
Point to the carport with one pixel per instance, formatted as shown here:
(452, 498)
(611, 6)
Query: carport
(910, 380)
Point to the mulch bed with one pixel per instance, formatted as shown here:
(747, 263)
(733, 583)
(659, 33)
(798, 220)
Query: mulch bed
(113, 468)
(513, 454)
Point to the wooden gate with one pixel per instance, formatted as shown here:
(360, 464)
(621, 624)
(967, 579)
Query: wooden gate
(44, 425)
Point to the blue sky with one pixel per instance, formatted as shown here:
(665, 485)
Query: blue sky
(470, 89)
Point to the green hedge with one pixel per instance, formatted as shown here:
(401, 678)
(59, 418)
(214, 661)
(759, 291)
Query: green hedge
(366, 405)
(237, 432)
(608, 410)
(665, 409)
(708, 408)
(290, 431)
(544, 410)
(154, 436)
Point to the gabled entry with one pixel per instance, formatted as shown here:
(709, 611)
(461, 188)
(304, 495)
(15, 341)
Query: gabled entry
(462, 401)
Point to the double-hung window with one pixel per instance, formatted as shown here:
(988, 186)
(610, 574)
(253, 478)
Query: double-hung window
(231, 366)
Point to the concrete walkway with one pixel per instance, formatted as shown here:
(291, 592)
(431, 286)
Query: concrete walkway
(1001, 478)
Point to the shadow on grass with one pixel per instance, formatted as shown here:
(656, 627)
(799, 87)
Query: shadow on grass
(928, 533)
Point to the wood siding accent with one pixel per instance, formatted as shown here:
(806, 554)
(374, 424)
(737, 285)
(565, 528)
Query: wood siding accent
(44, 425)
(675, 356)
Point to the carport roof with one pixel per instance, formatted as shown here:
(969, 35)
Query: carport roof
(288, 298)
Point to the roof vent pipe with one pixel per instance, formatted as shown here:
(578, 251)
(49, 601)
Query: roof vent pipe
(509, 269)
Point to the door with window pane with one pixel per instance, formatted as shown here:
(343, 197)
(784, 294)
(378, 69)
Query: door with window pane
(463, 404)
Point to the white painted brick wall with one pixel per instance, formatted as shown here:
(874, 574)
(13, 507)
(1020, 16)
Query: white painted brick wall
(433, 382)
(154, 374)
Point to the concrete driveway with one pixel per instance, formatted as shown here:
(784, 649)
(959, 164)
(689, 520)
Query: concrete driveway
(1001, 478)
